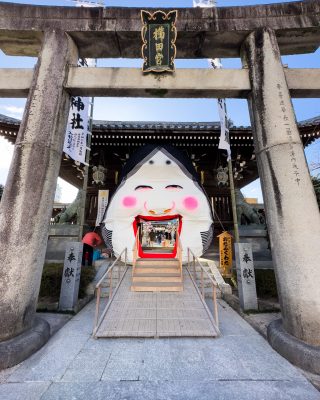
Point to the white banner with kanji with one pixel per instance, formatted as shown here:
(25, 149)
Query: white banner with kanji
(75, 142)
(224, 142)
(103, 198)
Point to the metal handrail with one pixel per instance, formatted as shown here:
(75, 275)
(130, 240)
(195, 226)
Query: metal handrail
(135, 252)
(97, 320)
(179, 252)
(212, 281)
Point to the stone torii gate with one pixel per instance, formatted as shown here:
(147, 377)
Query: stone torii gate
(259, 34)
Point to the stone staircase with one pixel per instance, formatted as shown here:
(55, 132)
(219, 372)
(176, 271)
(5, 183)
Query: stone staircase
(157, 275)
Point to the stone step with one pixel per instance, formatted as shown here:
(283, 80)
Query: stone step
(162, 270)
(157, 273)
(154, 278)
(157, 287)
(157, 262)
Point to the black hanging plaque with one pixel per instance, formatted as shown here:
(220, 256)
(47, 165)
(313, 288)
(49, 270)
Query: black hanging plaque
(159, 35)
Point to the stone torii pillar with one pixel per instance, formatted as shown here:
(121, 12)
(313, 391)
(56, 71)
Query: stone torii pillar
(26, 205)
(292, 212)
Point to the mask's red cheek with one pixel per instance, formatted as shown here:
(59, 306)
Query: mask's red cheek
(129, 201)
(190, 203)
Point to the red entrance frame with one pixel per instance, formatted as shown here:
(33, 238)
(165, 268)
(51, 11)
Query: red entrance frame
(151, 218)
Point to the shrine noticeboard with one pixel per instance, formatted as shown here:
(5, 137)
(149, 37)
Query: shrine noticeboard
(159, 34)
(225, 250)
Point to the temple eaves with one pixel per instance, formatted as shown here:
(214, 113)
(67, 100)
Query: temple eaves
(162, 125)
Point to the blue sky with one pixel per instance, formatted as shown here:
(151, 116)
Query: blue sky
(163, 109)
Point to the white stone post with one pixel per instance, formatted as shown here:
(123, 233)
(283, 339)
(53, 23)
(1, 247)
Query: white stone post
(291, 208)
(26, 206)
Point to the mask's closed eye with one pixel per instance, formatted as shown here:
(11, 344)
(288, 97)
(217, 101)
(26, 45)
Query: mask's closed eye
(174, 187)
(143, 187)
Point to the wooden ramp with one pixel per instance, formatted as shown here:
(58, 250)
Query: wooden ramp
(157, 314)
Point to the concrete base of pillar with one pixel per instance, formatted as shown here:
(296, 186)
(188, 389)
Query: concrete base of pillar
(299, 353)
(19, 348)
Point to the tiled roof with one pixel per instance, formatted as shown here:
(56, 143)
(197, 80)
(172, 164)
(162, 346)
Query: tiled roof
(101, 124)
(9, 120)
(155, 125)
(310, 121)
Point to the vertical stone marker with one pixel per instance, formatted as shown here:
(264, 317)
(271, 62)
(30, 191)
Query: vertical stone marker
(245, 276)
(71, 277)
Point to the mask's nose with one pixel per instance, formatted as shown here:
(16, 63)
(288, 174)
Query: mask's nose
(152, 209)
(159, 211)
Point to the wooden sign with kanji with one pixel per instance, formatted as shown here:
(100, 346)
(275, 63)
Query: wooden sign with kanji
(158, 35)
(225, 250)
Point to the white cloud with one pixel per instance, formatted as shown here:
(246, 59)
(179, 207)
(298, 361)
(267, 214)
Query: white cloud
(253, 189)
(68, 192)
(6, 152)
(13, 111)
(3, 175)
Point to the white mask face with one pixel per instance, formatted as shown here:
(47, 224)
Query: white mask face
(160, 187)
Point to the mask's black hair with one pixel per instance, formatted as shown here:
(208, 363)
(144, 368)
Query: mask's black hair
(144, 153)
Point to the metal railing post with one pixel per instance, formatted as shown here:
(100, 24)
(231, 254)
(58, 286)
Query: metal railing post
(202, 283)
(96, 315)
(125, 260)
(215, 305)
(110, 291)
(97, 320)
(179, 251)
(135, 253)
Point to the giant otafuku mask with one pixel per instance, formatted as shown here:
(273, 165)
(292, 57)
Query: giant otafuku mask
(158, 183)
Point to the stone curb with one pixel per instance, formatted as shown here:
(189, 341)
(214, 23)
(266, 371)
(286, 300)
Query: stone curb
(17, 349)
(297, 352)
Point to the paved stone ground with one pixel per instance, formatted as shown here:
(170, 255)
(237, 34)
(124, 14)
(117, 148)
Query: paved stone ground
(239, 365)
(260, 321)
(55, 320)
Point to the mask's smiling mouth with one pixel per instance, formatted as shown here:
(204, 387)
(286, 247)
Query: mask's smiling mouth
(156, 234)
(159, 211)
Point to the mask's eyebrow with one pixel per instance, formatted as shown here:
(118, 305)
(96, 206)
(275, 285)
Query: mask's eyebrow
(143, 187)
(174, 187)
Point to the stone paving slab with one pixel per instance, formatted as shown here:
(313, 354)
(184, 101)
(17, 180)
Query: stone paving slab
(23, 391)
(239, 365)
(191, 390)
